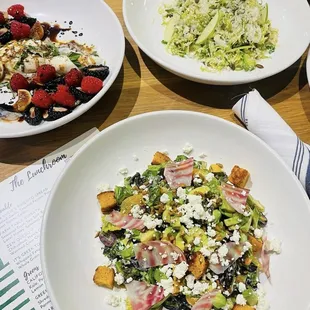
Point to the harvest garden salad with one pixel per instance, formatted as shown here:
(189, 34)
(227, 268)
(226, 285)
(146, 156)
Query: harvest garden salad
(42, 79)
(185, 235)
(222, 34)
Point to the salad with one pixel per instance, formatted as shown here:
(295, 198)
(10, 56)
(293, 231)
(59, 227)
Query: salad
(185, 235)
(221, 34)
(42, 79)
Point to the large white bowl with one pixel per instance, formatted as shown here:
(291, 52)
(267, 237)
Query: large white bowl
(292, 18)
(99, 26)
(70, 253)
(308, 67)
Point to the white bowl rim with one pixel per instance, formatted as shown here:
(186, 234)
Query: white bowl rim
(198, 77)
(82, 109)
(111, 128)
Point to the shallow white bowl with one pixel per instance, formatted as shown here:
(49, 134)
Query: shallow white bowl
(70, 253)
(99, 26)
(308, 67)
(292, 18)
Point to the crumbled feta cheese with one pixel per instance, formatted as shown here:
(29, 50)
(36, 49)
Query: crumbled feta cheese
(174, 255)
(167, 285)
(135, 192)
(146, 198)
(129, 280)
(150, 222)
(241, 287)
(209, 177)
(247, 246)
(187, 149)
(214, 259)
(258, 233)
(235, 237)
(165, 152)
(214, 285)
(197, 241)
(240, 300)
(211, 232)
(106, 261)
(113, 300)
(197, 180)
(226, 293)
(274, 245)
(164, 198)
(103, 188)
(119, 279)
(190, 281)
(167, 270)
(142, 186)
(205, 252)
(211, 242)
(202, 155)
(181, 193)
(199, 288)
(222, 251)
(180, 270)
(137, 212)
(123, 171)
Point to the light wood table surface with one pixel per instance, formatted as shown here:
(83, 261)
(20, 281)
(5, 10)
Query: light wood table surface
(142, 86)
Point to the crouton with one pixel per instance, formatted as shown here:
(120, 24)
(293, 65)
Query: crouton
(216, 168)
(160, 158)
(107, 201)
(257, 245)
(246, 307)
(198, 265)
(239, 176)
(104, 276)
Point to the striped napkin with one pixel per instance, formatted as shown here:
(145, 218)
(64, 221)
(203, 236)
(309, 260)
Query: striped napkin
(272, 129)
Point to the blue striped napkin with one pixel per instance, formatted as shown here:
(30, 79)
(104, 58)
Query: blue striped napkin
(272, 129)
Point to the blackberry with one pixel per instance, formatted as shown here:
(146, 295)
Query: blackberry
(79, 95)
(28, 20)
(51, 86)
(33, 116)
(100, 72)
(5, 35)
(55, 112)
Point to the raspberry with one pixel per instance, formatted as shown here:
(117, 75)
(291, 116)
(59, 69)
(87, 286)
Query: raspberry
(74, 78)
(19, 30)
(16, 11)
(42, 99)
(3, 17)
(91, 85)
(46, 73)
(63, 96)
(18, 81)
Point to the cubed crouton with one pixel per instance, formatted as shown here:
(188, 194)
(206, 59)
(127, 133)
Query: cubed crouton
(257, 245)
(239, 176)
(246, 307)
(107, 201)
(198, 265)
(104, 276)
(160, 158)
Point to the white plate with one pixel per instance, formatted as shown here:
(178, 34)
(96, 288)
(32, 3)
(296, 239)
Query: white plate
(99, 26)
(292, 18)
(308, 67)
(70, 253)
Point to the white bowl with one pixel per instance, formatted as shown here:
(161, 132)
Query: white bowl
(99, 26)
(292, 18)
(70, 253)
(308, 67)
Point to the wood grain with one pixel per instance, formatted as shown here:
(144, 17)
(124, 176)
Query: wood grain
(142, 86)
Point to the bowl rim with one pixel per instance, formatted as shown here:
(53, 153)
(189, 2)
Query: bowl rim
(49, 126)
(308, 67)
(97, 137)
(198, 78)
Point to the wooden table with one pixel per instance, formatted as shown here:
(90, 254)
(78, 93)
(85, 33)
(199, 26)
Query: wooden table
(143, 86)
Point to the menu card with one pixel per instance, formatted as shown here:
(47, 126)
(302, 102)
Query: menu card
(22, 202)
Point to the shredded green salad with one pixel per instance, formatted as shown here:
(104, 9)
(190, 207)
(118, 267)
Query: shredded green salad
(180, 235)
(222, 34)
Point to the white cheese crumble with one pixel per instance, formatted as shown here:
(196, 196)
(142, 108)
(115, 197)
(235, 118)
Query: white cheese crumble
(240, 300)
(123, 171)
(214, 259)
(197, 180)
(187, 149)
(180, 270)
(146, 198)
(222, 251)
(137, 212)
(190, 281)
(205, 252)
(258, 233)
(202, 155)
(199, 288)
(241, 287)
(167, 270)
(167, 285)
(181, 193)
(142, 186)
(119, 279)
(209, 177)
(113, 300)
(150, 222)
(274, 246)
(129, 280)
(197, 241)
(211, 232)
(235, 237)
(106, 261)
(164, 198)
(174, 255)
